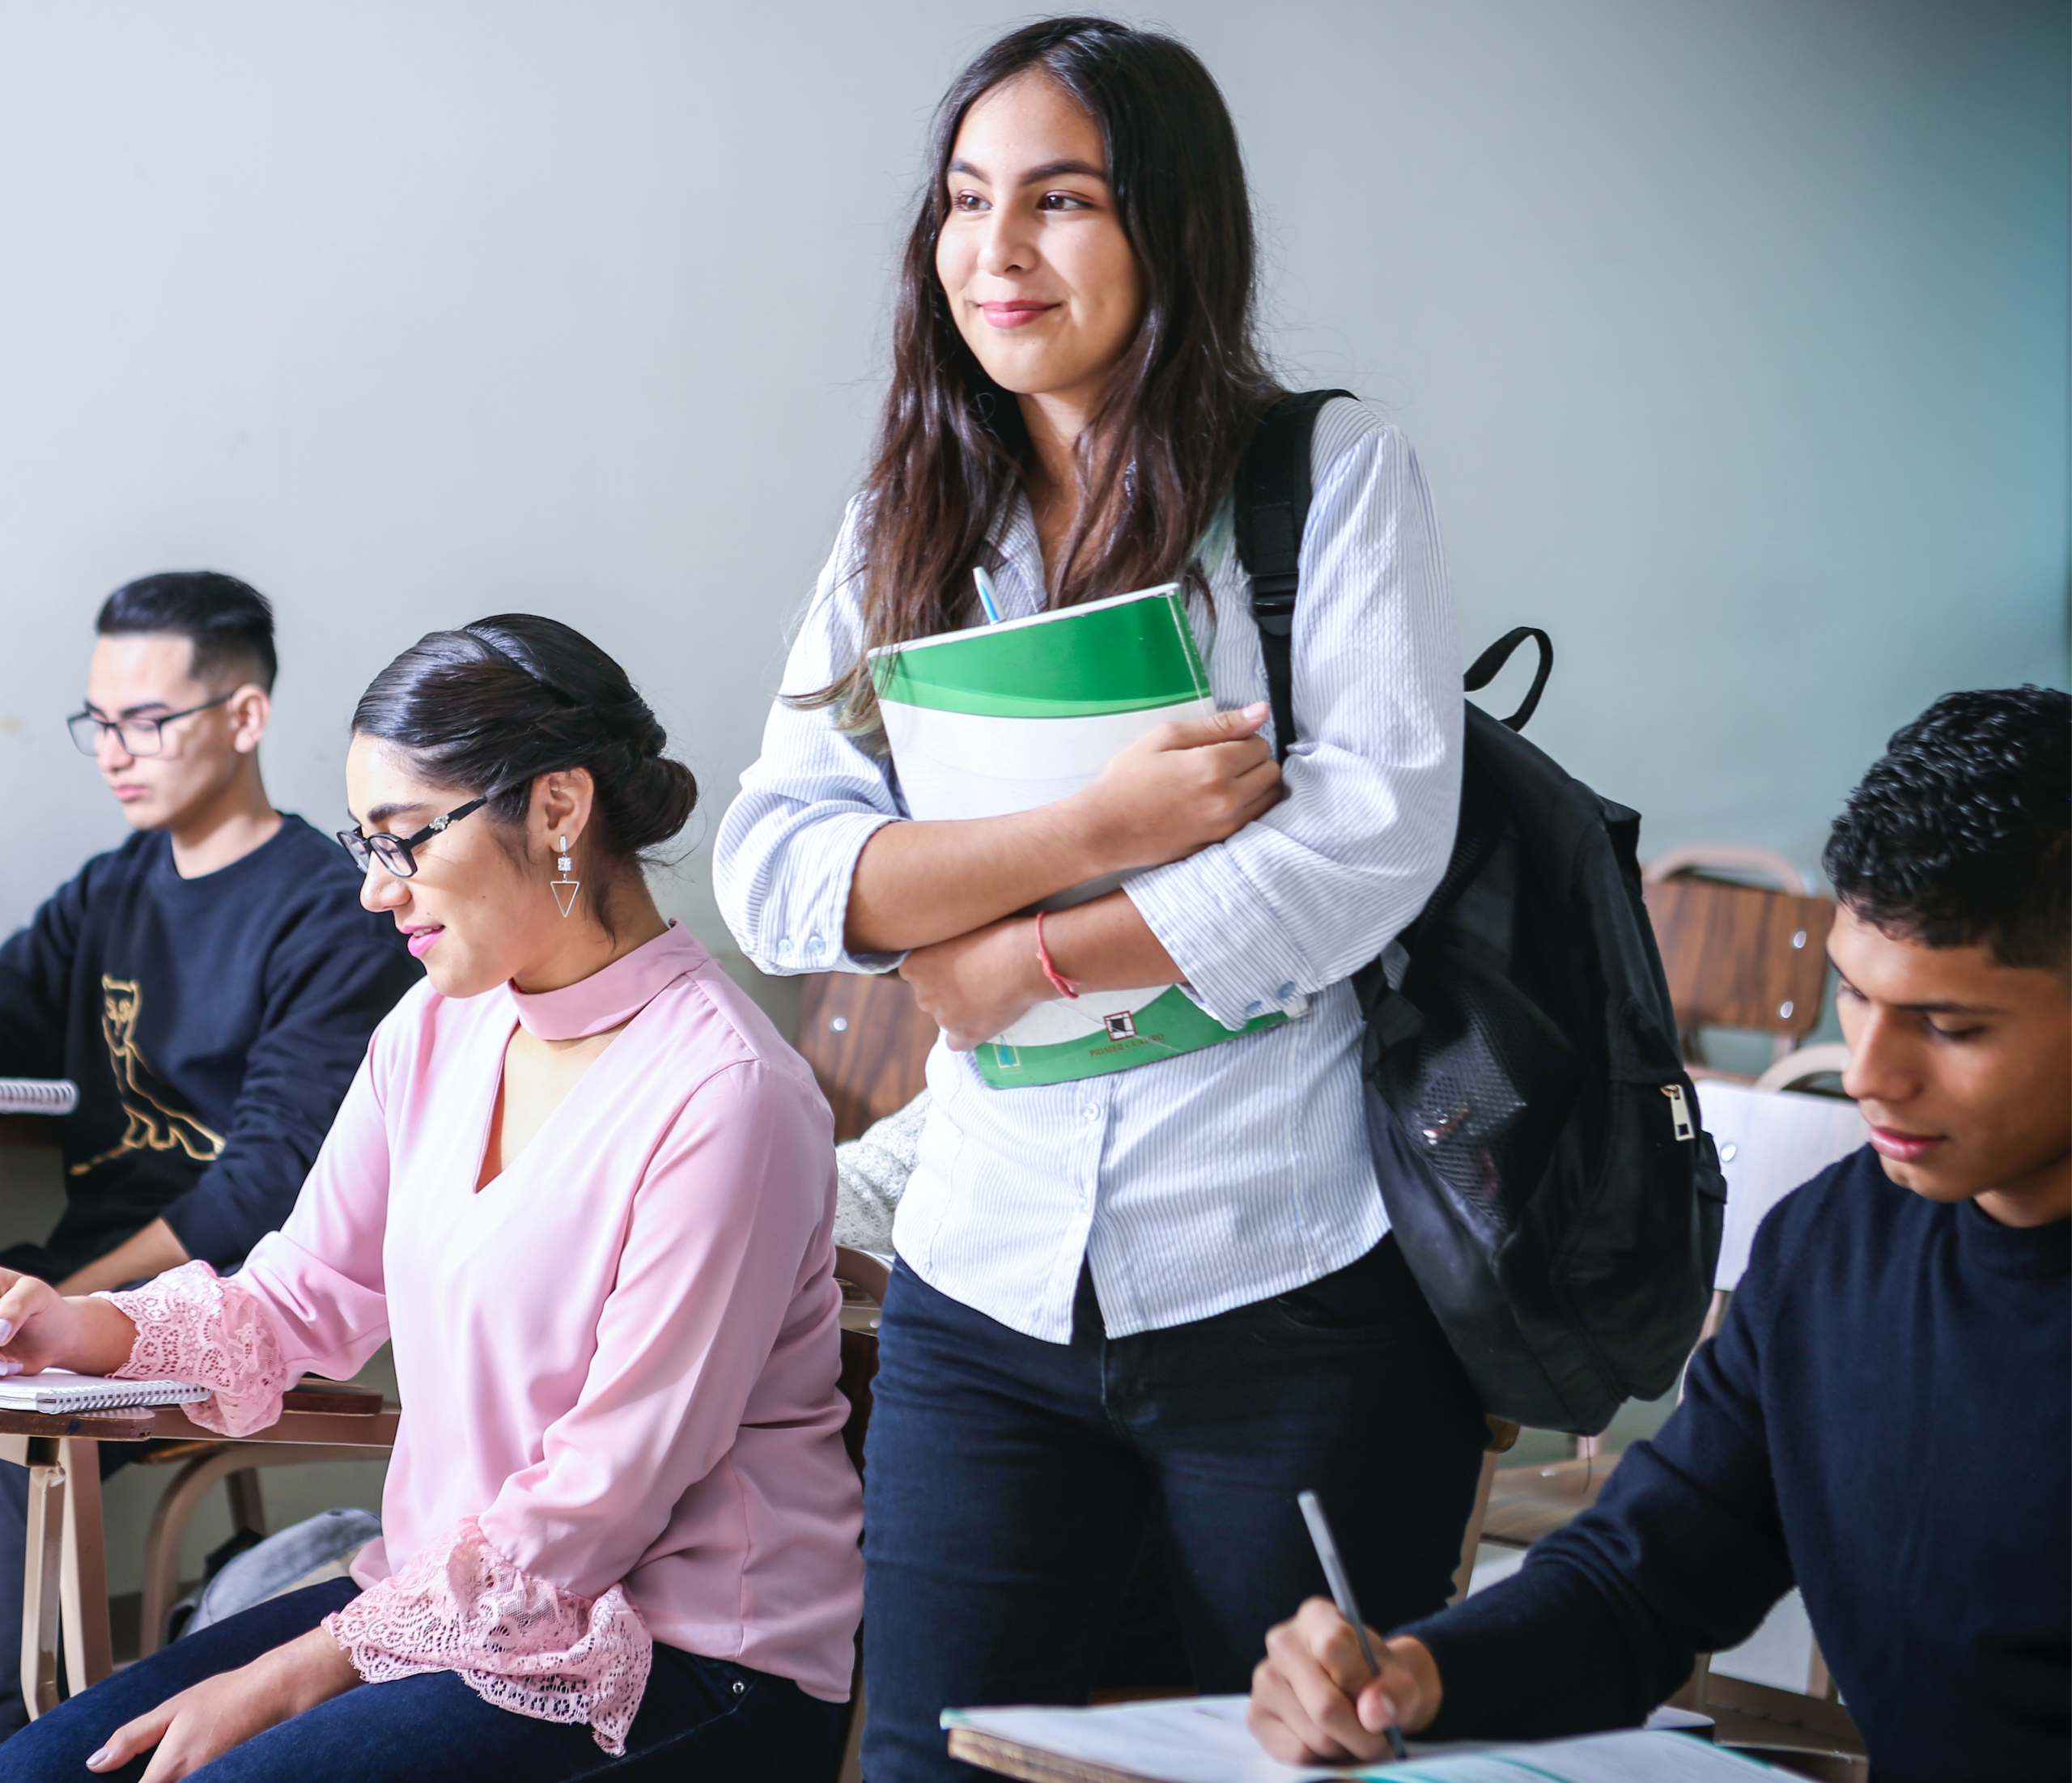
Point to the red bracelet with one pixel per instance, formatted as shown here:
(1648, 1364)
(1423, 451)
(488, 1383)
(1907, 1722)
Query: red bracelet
(1063, 986)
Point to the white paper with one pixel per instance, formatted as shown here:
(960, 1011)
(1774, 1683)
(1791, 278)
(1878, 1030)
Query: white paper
(1203, 1739)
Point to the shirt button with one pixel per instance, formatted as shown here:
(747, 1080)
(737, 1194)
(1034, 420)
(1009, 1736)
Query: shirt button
(1285, 991)
(813, 944)
(784, 946)
(1254, 1009)
(1089, 1113)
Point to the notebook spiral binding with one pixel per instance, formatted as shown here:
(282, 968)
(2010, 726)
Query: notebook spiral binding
(38, 1096)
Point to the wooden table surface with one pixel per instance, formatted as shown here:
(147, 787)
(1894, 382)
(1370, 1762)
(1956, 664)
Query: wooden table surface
(65, 1575)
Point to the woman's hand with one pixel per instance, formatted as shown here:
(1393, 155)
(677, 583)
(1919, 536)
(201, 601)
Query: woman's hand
(206, 1721)
(1316, 1702)
(976, 985)
(39, 1328)
(1179, 788)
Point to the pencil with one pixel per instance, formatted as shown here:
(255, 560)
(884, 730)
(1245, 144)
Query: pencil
(1341, 1594)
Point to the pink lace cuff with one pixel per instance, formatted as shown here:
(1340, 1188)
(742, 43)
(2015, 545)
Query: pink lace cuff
(193, 1326)
(519, 1642)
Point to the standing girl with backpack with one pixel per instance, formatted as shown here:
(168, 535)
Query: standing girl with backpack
(1167, 1292)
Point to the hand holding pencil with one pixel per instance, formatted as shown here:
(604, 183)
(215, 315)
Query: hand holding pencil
(1328, 1690)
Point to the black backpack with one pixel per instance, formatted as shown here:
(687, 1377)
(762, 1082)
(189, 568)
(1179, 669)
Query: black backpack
(1532, 1125)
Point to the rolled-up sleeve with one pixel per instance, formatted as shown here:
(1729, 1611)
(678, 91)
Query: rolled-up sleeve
(789, 845)
(1310, 893)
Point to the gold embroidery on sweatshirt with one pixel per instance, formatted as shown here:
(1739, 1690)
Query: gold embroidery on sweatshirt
(153, 1123)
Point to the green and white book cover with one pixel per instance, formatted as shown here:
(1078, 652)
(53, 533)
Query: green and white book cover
(1004, 718)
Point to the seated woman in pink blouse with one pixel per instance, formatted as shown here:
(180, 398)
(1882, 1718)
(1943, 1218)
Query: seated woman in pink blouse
(589, 1193)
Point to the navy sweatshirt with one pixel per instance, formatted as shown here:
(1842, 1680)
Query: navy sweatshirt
(212, 1025)
(1882, 1420)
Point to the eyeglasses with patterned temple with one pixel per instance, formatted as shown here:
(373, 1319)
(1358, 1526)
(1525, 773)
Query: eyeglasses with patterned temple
(140, 735)
(395, 850)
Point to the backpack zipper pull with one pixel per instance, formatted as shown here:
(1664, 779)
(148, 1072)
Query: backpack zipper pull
(1679, 1111)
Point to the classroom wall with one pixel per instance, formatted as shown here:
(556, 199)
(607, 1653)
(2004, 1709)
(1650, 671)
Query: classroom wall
(1732, 333)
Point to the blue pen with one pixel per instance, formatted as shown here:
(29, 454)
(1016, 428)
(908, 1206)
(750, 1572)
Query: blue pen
(986, 598)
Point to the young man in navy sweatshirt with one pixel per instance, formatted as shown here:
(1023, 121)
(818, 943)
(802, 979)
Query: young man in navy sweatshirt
(1882, 1419)
(211, 986)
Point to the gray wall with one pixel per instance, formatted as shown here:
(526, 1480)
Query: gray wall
(1733, 336)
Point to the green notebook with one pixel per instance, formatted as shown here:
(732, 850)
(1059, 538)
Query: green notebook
(1004, 718)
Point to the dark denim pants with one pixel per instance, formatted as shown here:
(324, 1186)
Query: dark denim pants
(1009, 1481)
(701, 1719)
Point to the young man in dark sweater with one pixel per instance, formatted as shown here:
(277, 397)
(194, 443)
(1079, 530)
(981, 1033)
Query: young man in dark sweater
(1882, 1419)
(211, 986)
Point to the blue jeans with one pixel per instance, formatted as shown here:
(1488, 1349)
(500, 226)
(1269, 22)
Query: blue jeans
(702, 1720)
(1009, 1481)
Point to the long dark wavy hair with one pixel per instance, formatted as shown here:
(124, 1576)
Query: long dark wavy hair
(1158, 455)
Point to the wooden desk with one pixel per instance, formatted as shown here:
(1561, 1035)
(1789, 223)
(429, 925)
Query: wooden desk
(64, 1577)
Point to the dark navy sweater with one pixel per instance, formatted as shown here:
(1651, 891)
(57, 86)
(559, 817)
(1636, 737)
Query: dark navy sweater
(212, 1025)
(1882, 1420)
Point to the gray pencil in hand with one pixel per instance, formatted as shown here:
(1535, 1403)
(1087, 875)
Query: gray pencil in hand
(1341, 1594)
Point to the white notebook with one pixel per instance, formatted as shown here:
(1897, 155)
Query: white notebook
(1203, 1739)
(38, 1096)
(56, 1392)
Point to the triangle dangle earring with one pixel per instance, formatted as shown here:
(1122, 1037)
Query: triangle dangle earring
(565, 888)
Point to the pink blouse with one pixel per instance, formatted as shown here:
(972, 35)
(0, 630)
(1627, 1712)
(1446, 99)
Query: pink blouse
(617, 1360)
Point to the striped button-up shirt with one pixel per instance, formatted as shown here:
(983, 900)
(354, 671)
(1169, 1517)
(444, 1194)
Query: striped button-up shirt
(1213, 1179)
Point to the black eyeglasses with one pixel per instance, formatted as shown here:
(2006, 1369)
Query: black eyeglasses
(395, 850)
(140, 736)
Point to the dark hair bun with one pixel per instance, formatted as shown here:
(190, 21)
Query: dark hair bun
(492, 707)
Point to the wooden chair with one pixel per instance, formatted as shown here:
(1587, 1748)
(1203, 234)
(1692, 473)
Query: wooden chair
(1738, 955)
(235, 1465)
(868, 1043)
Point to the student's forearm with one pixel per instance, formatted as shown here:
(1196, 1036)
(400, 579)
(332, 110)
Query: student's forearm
(918, 883)
(1106, 946)
(1183, 786)
(41, 1329)
(977, 984)
(151, 1252)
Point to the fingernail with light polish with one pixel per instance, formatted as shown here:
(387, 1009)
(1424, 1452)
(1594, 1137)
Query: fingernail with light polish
(6, 1328)
(97, 1759)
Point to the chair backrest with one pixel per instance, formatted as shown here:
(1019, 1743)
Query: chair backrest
(1769, 1142)
(1741, 956)
(867, 1044)
(1699, 857)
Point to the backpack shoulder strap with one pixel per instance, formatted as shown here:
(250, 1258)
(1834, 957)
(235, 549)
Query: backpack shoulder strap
(1272, 501)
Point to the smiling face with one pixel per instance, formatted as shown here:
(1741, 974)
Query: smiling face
(1963, 1067)
(1038, 274)
(146, 675)
(477, 910)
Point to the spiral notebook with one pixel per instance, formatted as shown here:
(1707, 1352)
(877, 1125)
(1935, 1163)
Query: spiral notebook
(60, 1394)
(38, 1096)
